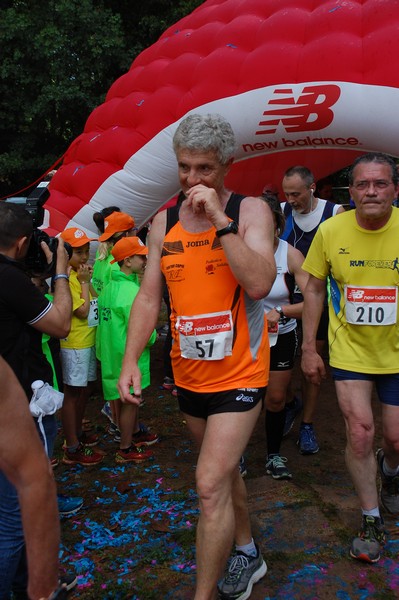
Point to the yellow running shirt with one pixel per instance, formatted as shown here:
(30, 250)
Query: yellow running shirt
(364, 273)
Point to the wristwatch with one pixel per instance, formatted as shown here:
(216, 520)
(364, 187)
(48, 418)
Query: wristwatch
(232, 227)
(280, 311)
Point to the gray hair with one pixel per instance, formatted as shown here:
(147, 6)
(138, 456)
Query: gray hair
(375, 157)
(205, 133)
(304, 173)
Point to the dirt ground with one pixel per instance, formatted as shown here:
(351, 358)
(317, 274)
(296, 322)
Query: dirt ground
(134, 538)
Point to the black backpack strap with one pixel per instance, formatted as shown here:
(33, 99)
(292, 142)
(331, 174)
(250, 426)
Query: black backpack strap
(233, 206)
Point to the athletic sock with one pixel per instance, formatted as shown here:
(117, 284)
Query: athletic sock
(274, 430)
(248, 549)
(374, 512)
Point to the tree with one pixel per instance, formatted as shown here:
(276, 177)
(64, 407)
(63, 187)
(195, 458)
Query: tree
(59, 58)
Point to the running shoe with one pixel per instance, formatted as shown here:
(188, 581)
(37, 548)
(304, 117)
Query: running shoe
(133, 454)
(275, 466)
(168, 384)
(82, 456)
(367, 544)
(143, 437)
(307, 441)
(242, 573)
(85, 439)
(68, 505)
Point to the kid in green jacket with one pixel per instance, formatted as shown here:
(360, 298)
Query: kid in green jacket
(114, 305)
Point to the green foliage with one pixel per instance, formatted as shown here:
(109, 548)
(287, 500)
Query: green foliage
(59, 58)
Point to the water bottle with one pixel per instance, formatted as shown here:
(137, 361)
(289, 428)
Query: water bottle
(37, 388)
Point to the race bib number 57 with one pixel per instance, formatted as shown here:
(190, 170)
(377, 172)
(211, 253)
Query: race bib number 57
(206, 337)
(371, 305)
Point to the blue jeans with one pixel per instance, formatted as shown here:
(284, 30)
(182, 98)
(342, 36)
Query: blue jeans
(13, 567)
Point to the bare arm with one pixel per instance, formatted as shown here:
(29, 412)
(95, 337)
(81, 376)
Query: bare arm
(57, 321)
(312, 363)
(31, 474)
(250, 253)
(295, 261)
(144, 314)
(84, 275)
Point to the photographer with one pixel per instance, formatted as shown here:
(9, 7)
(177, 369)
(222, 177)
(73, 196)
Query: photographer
(24, 315)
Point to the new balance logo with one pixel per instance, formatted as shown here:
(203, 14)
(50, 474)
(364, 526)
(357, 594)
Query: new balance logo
(310, 112)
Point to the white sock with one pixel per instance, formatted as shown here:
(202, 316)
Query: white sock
(374, 512)
(248, 549)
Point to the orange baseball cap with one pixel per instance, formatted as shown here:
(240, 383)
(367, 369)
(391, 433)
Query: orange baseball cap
(116, 222)
(76, 237)
(128, 246)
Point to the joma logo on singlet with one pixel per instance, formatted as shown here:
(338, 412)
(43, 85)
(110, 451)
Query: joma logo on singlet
(199, 243)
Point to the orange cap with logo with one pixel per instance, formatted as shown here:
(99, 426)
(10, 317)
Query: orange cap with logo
(76, 237)
(116, 222)
(128, 246)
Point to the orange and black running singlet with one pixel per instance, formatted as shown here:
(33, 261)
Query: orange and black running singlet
(219, 334)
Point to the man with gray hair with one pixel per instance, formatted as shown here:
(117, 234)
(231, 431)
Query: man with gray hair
(215, 252)
(358, 250)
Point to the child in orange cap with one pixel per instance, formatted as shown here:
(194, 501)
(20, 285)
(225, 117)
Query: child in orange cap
(78, 356)
(114, 306)
(114, 226)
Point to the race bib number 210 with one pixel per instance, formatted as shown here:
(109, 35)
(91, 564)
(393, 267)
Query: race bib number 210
(368, 305)
(206, 337)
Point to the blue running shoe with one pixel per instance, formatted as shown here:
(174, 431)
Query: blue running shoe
(307, 441)
(68, 505)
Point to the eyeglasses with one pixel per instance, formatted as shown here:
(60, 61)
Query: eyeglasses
(378, 184)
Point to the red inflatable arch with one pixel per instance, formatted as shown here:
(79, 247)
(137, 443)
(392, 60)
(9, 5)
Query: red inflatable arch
(302, 82)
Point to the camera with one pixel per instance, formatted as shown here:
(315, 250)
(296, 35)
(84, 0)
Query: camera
(36, 260)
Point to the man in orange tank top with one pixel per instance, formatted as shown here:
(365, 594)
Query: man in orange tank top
(215, 252)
